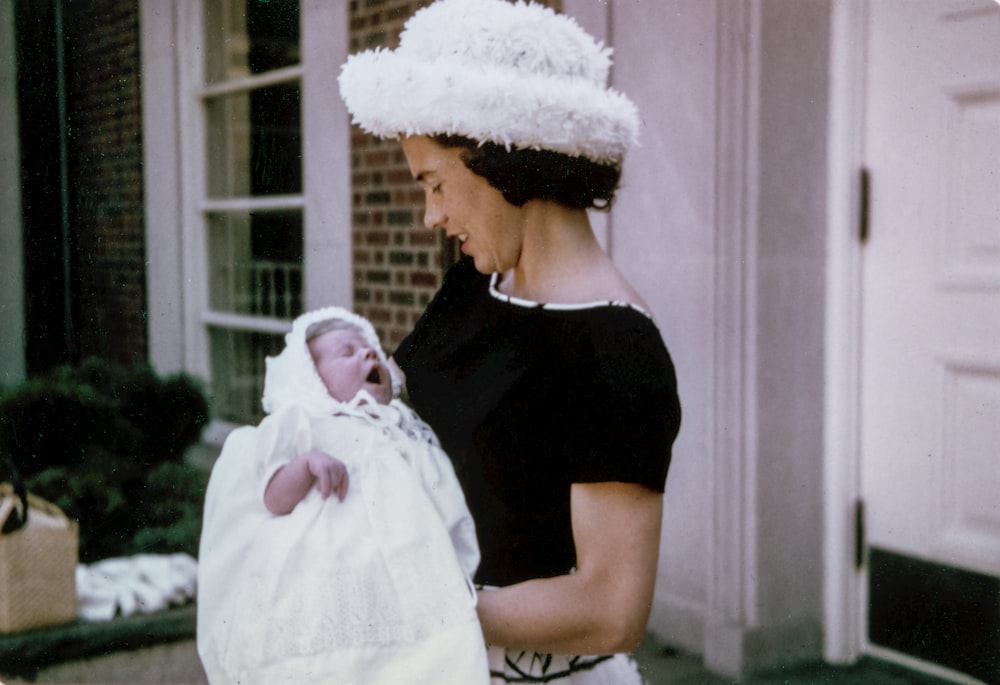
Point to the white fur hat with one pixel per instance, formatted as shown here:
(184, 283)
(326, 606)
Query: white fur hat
(494, 71)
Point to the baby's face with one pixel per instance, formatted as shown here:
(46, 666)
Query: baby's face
(347, 364)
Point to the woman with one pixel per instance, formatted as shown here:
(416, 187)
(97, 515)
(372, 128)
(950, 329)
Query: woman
(536, 363)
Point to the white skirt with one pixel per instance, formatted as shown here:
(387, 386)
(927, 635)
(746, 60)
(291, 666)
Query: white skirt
(518, 666)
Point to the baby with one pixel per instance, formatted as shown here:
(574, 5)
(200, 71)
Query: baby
(347, 364)
(353, 568)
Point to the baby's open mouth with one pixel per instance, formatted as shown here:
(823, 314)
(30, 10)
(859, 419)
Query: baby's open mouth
(374, 377)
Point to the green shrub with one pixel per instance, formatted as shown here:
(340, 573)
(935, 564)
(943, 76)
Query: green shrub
(106, 444)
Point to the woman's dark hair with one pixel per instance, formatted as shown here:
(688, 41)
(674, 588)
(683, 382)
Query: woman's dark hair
(523, 174)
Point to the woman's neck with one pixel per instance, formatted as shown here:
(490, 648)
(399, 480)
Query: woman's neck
(561, 260)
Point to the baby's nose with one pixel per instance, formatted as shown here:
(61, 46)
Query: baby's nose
(369, 353)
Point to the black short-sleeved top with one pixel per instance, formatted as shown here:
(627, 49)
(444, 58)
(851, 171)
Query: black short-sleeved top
(528, 399)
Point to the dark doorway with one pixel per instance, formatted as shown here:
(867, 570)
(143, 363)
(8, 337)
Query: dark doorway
(940, 614)
(48, 325)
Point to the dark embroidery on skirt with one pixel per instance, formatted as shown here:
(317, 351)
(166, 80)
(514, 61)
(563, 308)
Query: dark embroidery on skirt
(521, 674)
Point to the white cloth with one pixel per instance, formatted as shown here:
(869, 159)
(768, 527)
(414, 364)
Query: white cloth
(374, 589)
(140, 584)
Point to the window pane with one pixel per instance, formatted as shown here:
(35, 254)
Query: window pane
(253, 148)
(255, 142)
(238, 372)
(255, 263)
(250, 37)
(273, 30)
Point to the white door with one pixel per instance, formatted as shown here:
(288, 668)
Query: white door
(930, 410)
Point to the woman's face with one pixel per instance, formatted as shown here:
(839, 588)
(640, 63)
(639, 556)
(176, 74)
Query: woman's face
(465, 205)
(347, 364)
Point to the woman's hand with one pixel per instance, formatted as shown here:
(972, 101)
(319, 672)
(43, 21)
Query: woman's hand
(293, 481)
(604, 606)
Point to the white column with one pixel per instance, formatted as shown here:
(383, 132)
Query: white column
(326, 159)
(161, 165)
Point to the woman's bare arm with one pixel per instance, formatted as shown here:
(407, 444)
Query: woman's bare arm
(603, 608)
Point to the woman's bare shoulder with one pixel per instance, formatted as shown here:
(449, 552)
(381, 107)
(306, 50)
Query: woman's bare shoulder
(610, 284)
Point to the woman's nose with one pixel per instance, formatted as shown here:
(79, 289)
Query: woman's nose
(433, 216)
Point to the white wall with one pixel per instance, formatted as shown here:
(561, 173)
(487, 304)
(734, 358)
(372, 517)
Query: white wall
(663, 237)
(161, 164)
(721, 225)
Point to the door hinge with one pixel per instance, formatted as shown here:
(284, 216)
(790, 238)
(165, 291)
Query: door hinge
(864, 203)
(859, 534)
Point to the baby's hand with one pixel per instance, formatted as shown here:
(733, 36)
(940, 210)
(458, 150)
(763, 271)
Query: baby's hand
(330, 472)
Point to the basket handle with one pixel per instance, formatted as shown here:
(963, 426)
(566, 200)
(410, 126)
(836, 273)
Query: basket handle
(18, 518)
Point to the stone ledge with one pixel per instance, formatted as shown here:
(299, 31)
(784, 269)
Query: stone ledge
(24, 654)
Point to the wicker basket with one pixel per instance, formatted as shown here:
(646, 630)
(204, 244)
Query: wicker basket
(37, 565)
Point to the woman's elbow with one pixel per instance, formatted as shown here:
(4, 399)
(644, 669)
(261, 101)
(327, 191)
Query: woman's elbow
(628, 632)
(633, 641)
(621, 628)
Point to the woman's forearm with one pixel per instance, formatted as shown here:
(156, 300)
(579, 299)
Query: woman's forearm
(604, 606)
(562, 615)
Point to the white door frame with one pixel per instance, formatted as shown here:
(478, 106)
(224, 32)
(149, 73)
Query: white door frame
(842, 584)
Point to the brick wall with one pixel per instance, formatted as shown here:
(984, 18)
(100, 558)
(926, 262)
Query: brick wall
(105, 178)
(397, 263)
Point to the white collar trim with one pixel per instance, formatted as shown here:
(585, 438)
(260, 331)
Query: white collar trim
(531, 304)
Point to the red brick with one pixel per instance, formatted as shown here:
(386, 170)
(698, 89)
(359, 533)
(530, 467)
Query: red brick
(424, 238)
(379, 238)
(380, 315)
(399, 176)
(377, 158)
(424, 278)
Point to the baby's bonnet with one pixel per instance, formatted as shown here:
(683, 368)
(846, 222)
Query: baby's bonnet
(291, 380)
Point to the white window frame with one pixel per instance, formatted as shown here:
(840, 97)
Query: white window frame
(174, 135)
